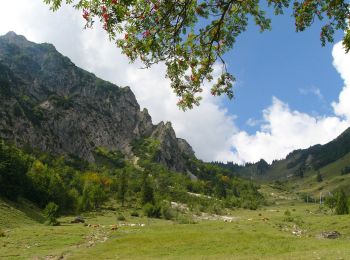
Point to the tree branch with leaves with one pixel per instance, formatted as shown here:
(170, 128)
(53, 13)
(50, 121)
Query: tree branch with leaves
(191, 36)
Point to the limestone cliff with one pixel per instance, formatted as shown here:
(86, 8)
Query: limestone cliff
(49, 103)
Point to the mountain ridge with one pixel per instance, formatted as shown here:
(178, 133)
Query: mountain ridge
(297, 162)
(51, 104)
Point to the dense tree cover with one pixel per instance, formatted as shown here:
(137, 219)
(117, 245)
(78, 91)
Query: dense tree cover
(259, 168)
(13, 167)
(262, 166)
(191, 36)
(231, 166)
(76, 186)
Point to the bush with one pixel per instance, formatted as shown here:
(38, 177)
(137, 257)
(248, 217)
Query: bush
(167, 212)
(134, 214)
(250, 204)
(151, 211)
(51, 214)
(288, 216)
(2, 233)
(121, 217)
(215, 209)
(185, 219)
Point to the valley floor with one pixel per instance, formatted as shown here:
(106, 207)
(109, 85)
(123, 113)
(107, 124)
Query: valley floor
(260, 234)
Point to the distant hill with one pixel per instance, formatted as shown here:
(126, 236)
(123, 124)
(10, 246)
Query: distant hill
(50, 104)
(300, 167)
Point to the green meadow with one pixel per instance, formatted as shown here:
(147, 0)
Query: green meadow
(266, 233)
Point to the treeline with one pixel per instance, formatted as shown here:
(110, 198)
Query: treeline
(259, 168)
(76, 186)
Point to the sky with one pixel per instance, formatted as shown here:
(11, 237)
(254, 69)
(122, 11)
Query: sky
(290, 93)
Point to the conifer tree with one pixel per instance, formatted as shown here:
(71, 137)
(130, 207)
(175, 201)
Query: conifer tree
(147, 195)
(122, 187)
(342, 207)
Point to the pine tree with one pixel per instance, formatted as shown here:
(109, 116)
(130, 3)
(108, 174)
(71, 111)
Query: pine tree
(147, 195)
(342, 207)
(319, 177)
(331, 202)
(122, 187)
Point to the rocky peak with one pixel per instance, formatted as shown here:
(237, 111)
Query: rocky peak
(18, 40)
(49, 103)
(174, 151)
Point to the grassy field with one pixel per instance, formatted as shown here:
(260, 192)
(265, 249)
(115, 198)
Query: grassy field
(260, 234)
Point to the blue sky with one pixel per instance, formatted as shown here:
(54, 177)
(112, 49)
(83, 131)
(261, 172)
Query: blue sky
(282, 63)
(290, 92)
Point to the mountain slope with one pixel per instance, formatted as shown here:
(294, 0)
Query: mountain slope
(50, 104)
(320, 168)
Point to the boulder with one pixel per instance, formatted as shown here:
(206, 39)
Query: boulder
(78, 219)
(331, 234)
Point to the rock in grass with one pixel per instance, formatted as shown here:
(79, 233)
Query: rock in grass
(331, 234)
(78, 219)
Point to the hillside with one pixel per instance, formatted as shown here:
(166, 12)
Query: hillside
(50, 104)
(300, 168)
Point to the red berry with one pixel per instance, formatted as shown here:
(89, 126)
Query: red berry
(146, 33)
(85, 14)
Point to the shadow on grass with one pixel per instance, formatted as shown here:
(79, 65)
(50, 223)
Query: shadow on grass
(28, 208)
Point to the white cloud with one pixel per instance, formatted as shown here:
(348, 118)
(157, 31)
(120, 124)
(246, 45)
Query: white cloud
(312, 90)
(341, 62)
(283, 131)
(254, 122)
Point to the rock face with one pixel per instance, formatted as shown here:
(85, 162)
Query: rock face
(49, 103)
(173, 151)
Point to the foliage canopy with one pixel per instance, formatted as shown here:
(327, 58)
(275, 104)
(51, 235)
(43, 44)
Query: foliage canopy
(191, 36)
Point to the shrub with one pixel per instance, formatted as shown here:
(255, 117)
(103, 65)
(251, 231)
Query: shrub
(288, 216)
(151, 211)
(250, 204)
(2, 233)
(185, 219)
(215, 209)
(51, 214)
(134, 214)
(167, 212)
(121, 217)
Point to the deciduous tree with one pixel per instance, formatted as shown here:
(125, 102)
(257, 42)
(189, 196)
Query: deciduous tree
(190, 36)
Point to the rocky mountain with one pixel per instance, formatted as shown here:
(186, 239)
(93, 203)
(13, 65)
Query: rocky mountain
(50, 104)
